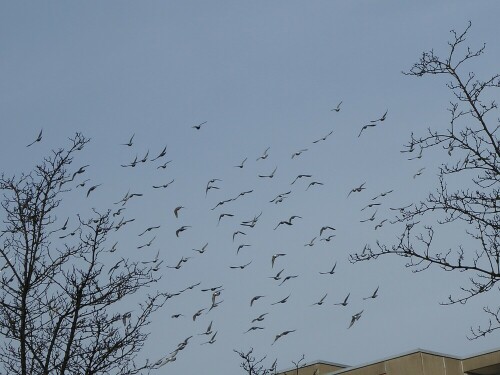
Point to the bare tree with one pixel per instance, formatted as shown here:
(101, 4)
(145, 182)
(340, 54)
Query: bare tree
(253, 366)
(59, 300)
(471, 142)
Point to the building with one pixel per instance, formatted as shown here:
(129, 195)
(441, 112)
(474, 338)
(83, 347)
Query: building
(416, 362)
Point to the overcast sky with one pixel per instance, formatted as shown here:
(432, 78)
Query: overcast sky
(261, 75)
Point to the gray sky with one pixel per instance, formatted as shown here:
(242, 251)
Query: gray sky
(261, 74)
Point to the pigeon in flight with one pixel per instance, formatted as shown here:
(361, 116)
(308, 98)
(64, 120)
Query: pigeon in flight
(278, 336)
(331, 272)
(337, 108)
(38, 139)
(374, 295)
(344, 302)
(198, 127)
(130, 141)
(355, 318)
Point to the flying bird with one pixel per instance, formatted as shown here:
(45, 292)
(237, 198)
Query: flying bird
(381, 118)
(241, 247)
(355, 318)
(255, 299)
(91, 189)
(344, 302)
(382, 194)
(238, 232)
(297, 153)
(419, 172)
(313, 183)
(79, 171)
(130, 141)
(331, 272)
(311, 243)
(282, 300)
(301, 176)
(211, 341)
(176, 211)
(371, 218)
(224, 215)
(241, 267)
(202, 250)
(253, 328)
(374, 295)
(337, 108)
(242, 163)
(38, 139)
(197, 314)
(278, 336)
(287, 222)
(277, 276)
(379, 225)
(181, 229)
(270, 175)
(147, 244)
(163, 186)
(357, 189)
(370, 205)
(273, 258)
(323, 138)
(289, 278)
(163, 166)
(325, 228)
(320, 302)
(161, 154)
(260, 318)
(264, 154)
(366, 127)
(145, 158)
(149, 229)
(198, 127)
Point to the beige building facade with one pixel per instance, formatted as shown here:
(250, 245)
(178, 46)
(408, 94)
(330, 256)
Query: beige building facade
(417, 362)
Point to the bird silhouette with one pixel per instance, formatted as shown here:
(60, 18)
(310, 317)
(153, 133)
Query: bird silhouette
(38, 139)
(382, 118)
(313, 183)
(211, 341)
(320, 302)
(238, 232)
(298, 153)
(260, 318)
(379, 225)
(383, 194)
(279, 335)
(161, 154)
(181, 229)
(287, 222)
(288, 278)
(325, 228)
(337, 108)
(270, 175)
(344, 302)
(241, 267)
(366, 127)
(281, 300)
(198, 127)
(255, 299)
(374, 295)
(274, 257)
(176, 211)
(79, 171)
(277, 276)
(147, 244)
(264, 154)
(371, 218)
(420, 171)
(164, 185)
(164, 165)
(241, 164)
(202, 250)
(301, 176)
(197, 314)
(323, 138)
(358, 189)
(310, 243)
(149, 229)
(331, 272)
(355, 318)
(130, 141)
(91, 189)
(241, 247)
(253, 328)
(370, 205)
(224, 215)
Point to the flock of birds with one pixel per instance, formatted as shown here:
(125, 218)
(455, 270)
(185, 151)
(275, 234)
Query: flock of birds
(224, 211)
